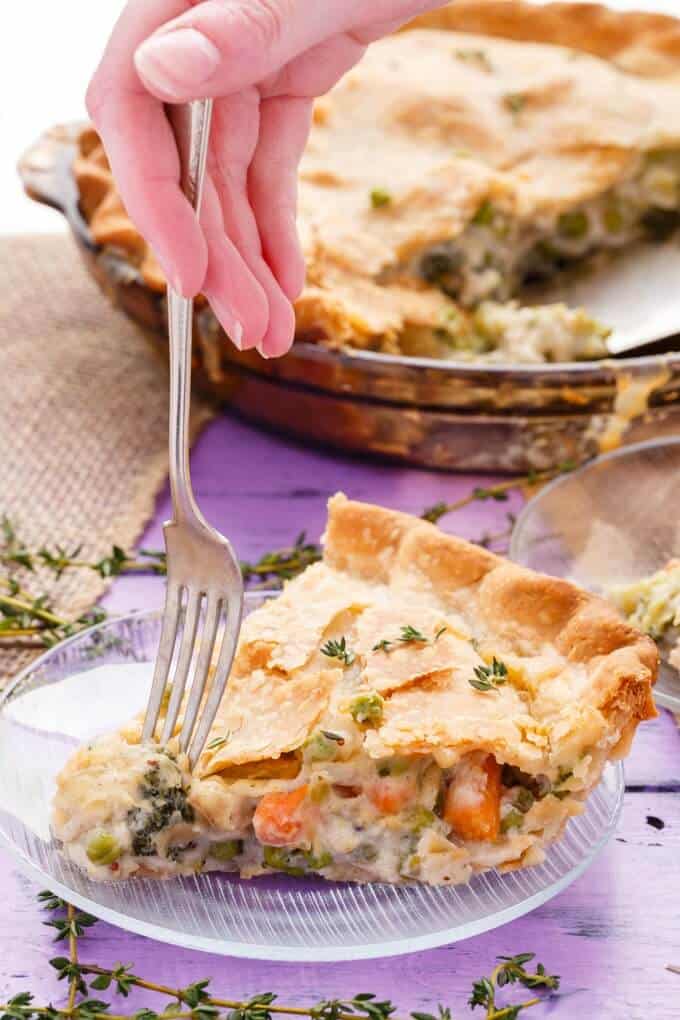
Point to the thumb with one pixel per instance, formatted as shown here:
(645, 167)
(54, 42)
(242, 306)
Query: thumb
(221, 46)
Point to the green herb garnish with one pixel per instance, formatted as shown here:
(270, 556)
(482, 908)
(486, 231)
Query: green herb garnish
(484, 216)
(511, 970)
(472, 56)
(488, 678)
(380, 197)
(338, 650)
(367, 709)
(196, 1001)
(215, 743)
(514, 102)
(408, 635)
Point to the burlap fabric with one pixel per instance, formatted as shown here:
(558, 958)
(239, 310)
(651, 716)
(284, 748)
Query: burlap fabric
(83, 420)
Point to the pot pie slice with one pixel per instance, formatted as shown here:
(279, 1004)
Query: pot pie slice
(411, 709)
(487, 146)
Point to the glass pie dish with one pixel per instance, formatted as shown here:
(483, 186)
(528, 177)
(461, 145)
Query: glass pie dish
(271, 917)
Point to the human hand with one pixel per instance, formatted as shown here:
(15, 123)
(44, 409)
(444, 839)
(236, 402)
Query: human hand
(263, 61)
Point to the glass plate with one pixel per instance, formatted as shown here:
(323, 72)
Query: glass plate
(277, 918)
(611, 522)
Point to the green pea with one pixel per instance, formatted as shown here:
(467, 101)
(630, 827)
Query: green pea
(613, 219)
(380, 197)
(524, 800)
(367, 709)
(513, 820)
(420, 819)
(320, 748)
(280, 860)
(226, 849)
(484, 216)
(317, 863)
(103, 849)
(573, 224)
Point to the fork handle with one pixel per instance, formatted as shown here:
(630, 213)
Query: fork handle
(190, 123)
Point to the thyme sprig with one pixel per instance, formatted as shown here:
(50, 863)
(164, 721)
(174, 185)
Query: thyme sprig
(499, 492)
(511, 970)
(489, 678)
(409, 635)
(337, 649)
(196, 1001)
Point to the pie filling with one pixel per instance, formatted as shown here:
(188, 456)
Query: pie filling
(344, 815)
(653, 605)
(497, 255)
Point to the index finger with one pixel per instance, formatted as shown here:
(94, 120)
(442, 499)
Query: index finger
(141, 148)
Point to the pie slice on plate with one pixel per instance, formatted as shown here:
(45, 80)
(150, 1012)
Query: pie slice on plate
(411, 709)
(488, 145)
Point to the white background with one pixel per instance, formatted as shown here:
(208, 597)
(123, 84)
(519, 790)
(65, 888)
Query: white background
(48, 50)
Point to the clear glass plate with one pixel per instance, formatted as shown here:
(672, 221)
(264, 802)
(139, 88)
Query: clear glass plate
(612, 522)
(51, 707)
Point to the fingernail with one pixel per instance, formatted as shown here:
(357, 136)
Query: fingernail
(236, 335)
(171, 277)
(229, 323)
(177, 61)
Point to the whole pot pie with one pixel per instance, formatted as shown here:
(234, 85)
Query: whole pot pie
(411, 709)
(486, 147)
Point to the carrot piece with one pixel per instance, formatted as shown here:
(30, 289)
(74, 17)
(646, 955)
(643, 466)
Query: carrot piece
(472, 806)
(278, 818)
(391, 794)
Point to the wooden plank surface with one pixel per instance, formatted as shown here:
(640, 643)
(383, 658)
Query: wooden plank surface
(609, 935)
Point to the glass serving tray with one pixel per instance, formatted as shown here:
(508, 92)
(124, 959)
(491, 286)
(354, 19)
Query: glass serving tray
(53, 705)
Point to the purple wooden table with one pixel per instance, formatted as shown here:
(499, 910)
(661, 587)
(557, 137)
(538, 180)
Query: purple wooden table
(610, 935)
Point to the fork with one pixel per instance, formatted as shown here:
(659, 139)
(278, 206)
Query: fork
(204, 580)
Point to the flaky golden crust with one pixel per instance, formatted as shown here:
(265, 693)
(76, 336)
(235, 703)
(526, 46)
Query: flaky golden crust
(517, 606)
(639, 42)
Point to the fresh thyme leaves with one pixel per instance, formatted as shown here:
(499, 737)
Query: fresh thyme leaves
(489, 678)
(498, 492)
(338, 650)
(511, 970)
(196, 1001)
(24, 615)
(215, 743)
(283, 564)
(478, 57)
(514, 102)
(336, 737)
(408, 635)
(380, 197)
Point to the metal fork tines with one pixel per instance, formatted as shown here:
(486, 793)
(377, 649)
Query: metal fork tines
(204, 598)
